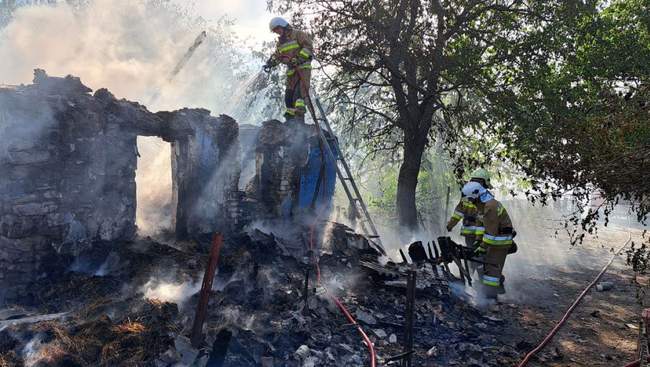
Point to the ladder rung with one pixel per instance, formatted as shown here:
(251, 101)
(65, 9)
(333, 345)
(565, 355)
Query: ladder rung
(372, 236)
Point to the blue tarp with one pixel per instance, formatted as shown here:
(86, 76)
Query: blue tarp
(309, 183)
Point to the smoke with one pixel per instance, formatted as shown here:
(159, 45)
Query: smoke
(154, 211)
(130, 47)
(170, 292)
(25, 131)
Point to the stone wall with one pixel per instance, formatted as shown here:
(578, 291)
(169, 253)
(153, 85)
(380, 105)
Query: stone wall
(287, 165)
(205, 172)
(68, 161)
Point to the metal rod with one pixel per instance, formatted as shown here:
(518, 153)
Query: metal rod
(435, 267)
(305, 295)
(460, 269)
(204, 297)
(447, 203)
(403, 256)
(469, 275)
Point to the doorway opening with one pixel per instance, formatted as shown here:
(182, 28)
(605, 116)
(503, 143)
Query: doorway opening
(153, 181)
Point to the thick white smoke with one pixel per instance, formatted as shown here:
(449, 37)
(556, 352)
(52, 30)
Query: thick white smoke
(130, 47)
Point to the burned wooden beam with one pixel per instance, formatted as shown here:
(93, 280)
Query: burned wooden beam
(204, 297)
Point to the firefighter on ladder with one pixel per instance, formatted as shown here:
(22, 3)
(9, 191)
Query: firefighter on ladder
(294, 49)
(497, 240)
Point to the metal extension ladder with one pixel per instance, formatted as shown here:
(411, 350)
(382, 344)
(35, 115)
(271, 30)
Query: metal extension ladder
(357, 204)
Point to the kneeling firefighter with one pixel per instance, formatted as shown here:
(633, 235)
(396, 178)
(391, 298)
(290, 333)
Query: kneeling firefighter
(472, 228)
(294, 49)
(497, 241)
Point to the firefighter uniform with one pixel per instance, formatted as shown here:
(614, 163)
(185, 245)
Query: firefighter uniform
(496, 243)
(295, 49)
(472, 225)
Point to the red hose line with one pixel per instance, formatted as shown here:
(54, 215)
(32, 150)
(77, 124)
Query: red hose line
(371, 348)
(340, 305)
(568, 313)
(636, 363)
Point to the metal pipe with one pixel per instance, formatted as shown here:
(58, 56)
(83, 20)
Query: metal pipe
(305, 295)
(204, 298)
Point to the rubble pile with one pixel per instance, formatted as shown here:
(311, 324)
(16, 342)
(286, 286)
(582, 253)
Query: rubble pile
(257, 313)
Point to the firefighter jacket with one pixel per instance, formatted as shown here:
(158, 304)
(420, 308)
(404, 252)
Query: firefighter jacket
(294, 49)
(498, 226)
(472, 224)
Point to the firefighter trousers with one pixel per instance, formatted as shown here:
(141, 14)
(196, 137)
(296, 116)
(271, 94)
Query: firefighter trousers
(297, 90)
(492, 279)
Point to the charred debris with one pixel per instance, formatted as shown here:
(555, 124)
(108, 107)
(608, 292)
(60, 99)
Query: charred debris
(79, 288)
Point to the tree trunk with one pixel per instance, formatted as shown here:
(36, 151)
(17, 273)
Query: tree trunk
(414, 145)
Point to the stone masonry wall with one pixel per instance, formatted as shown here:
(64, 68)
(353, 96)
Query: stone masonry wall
(67, 173)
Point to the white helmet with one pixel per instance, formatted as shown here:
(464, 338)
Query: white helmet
(278, 22)
(473, 190)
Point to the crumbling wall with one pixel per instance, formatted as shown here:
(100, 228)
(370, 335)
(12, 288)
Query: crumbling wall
(205, 171)
(294, 175)
(68, 161)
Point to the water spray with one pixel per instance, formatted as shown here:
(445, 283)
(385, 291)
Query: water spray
(181, 64)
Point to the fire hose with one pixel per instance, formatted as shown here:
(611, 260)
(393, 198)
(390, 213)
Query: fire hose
(636, 363)
(575, 303)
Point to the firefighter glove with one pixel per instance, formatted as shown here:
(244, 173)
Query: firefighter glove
(269, 65)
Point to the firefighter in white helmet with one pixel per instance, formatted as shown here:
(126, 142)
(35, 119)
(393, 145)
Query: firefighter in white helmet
(496, 242)
(472, 224)
(294, 49)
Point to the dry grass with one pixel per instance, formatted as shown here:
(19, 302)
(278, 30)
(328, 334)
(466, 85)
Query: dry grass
(129, 327)
(9, 359)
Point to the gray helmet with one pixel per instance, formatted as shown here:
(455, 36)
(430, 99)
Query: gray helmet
(278, 22)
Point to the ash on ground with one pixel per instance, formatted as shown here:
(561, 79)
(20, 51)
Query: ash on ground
(101, 314)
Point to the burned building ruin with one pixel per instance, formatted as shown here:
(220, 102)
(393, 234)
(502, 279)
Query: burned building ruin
(68, 160)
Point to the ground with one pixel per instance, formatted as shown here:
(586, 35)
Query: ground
(603, 329)
(256, 310)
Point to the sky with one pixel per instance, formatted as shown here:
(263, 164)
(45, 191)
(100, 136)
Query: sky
(252, 17)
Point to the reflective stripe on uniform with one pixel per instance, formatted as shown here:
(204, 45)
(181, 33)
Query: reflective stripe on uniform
(300, 103)
(497, 240)
(478, 230)
(286, 47)
(304, 66)
(291, 111)
(305, 53)
(491, 281)
(457, 215)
